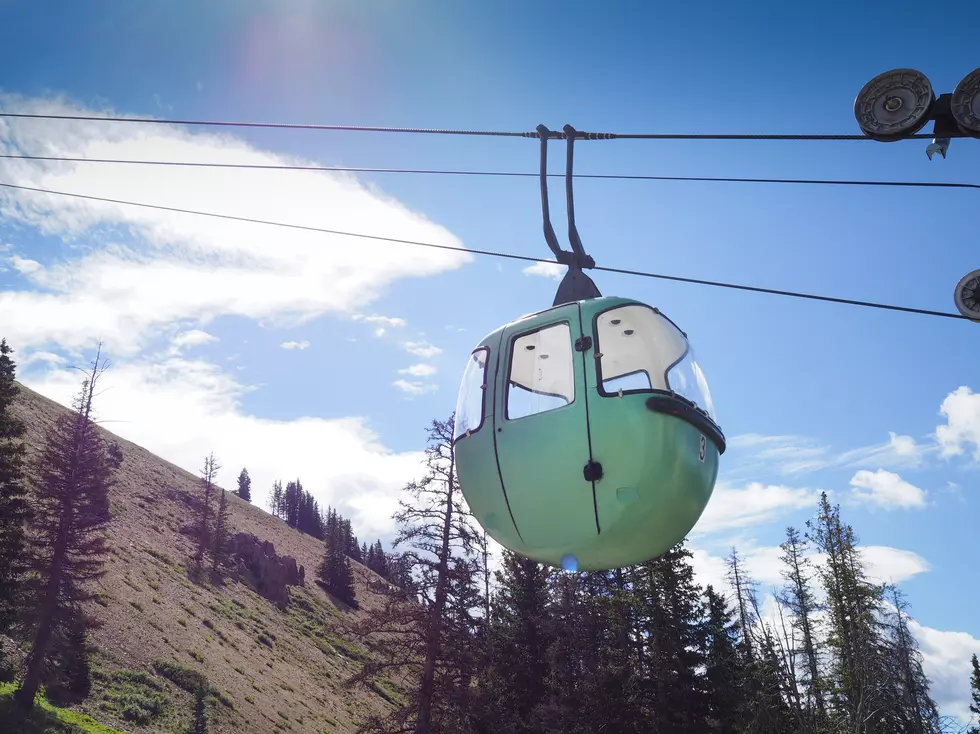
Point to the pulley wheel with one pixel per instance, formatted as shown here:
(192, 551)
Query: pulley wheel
(967, 295)
(965, 103)
(894, 105)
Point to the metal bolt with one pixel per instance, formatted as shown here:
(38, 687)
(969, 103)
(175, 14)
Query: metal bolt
(893, 104)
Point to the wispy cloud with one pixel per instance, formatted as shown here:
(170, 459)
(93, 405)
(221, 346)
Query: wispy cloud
(392, 321)
(295, 345)
(422, 349)
(414, 388)
(797, 455)
(141, 271)
(418, 370)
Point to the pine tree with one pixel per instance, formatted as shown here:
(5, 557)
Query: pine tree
(975, 692)
(724, 672)
(912, 708)
(414, 625)
(276, 500)
(68, 675)
(766, 681)
(335, 571)
(200, 725)
(860, 690)
(676, 644)
(68, 545)
(221, 531)
(13, 503)
(245, 486)
(204, 536)
(799, 598)
(514, 684)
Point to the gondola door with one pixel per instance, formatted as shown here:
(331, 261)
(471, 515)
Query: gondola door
(542, 431)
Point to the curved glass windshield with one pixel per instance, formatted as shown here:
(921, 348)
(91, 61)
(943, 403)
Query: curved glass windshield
(641, 350)
(469, 403)
(687, 378)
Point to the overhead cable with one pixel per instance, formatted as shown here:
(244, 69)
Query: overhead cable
(491, 253)
(440, 131)
(522, 174)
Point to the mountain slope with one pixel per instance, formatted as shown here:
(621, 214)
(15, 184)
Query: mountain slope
(274, 669)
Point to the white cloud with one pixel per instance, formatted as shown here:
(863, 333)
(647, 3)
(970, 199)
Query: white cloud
(414, 388)
(295, 345)
(892, 565)
(182, 409)
(732, 507)
(392, 321)
(547, 270)
(136, 271)
(192, 338)
(418, 370)
(422, 349)
(762, 563)
(886, 489)
(946, 662)
(962, 411)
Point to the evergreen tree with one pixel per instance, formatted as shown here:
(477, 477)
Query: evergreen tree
(245, 486)
(799, 598)
(416, 627)
(204, 536)
(68, 544)
(276, 500)
(200, 725)
(912, 708)
(860, 689)
(766, 680)
(674, 634)
(975, 693)
(335, 571)
(13, 504)
(221, 531)
(68, 676)
(515, 679)
(724, 672)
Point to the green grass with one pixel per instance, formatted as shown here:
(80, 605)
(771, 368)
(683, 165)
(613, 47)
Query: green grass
(132, 694)
(46, 718)
(185, 678)
(192, 681)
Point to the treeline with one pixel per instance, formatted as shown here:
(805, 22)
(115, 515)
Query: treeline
(300, 510)
(638, 649)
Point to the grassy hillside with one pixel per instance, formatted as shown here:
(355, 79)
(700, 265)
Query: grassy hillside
(270, 669)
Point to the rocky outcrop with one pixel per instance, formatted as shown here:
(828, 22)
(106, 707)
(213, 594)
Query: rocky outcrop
(272, 574)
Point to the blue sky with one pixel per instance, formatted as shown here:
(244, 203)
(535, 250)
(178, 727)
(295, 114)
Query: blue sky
(809, 393)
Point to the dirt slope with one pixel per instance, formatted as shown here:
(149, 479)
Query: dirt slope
(275, 670)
